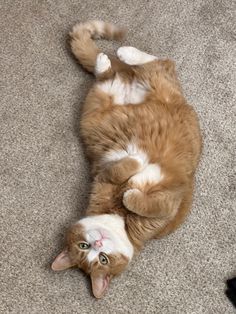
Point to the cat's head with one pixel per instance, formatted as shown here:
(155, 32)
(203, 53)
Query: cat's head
(98, 245)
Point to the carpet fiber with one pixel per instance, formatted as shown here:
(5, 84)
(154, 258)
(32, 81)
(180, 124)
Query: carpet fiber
(44, 181)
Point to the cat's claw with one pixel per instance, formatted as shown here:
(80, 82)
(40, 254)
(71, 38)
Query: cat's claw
(103, 63)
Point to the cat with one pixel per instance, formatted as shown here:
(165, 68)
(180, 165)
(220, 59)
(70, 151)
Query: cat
(143, 141)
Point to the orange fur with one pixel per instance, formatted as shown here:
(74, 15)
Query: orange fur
(82, 45)
(163, 125)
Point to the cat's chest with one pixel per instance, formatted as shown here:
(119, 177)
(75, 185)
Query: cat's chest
(124, 93)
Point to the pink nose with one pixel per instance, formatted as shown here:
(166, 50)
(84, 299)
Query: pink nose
(98, 243)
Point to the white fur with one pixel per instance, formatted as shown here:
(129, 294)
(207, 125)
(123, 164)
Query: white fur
(124, 93)
(103, 63)
(112, 227)
(132, 151)
(151, 174)
(130, 192)
(133, 56)
(96, 28)
(114, 155)
(135, 152)
(99, 26)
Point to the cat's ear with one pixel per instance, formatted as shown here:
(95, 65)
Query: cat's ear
(100, 284)
(62, 261)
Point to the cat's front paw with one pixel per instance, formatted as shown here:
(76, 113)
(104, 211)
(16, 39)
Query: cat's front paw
(103, 63)
(130, 199)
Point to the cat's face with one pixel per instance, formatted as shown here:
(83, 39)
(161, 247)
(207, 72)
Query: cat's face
(99, 246)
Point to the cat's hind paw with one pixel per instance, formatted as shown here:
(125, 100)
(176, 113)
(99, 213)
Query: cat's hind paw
(103, 63)
(128, 55)
(133, 56)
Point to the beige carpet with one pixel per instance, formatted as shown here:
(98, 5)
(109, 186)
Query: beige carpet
(44, 179)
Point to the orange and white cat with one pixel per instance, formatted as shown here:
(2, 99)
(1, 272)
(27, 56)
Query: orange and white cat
(143, 141)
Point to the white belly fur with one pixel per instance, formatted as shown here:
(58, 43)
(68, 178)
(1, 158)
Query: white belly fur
(124, 93)
(150, 173)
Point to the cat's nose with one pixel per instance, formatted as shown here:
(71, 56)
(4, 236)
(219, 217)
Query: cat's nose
(97, 243)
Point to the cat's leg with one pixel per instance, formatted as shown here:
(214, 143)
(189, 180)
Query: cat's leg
(122, 170)
(133, 56)
(106, 67)
(159, 204)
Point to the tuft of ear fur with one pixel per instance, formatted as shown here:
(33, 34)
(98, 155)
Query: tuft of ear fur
(62, 261)
(100, 284)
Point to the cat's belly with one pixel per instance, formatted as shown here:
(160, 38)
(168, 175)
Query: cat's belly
(124, 93)
(121, 129)
(148, 172)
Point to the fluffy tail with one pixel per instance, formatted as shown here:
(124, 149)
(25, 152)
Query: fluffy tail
(83, 45)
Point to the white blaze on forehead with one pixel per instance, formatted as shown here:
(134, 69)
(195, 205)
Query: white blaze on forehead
(116, 240)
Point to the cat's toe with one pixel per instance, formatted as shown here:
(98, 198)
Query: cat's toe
(103, 63)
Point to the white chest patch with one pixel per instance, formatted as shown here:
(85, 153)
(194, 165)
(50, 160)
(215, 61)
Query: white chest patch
(109, 230)
(124, 93)
(150, 174)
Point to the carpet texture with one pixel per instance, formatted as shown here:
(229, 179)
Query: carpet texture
(45, 181)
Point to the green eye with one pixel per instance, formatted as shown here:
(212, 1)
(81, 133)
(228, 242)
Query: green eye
(84, 246)
(103, 258)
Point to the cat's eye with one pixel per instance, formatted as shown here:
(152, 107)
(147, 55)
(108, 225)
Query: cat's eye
(103, 258)
(84, 245)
